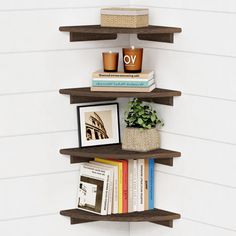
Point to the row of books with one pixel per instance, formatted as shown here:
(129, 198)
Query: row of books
(123, 82)
(116, 186)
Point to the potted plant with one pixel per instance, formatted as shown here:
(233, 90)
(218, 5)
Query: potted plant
(141, 133)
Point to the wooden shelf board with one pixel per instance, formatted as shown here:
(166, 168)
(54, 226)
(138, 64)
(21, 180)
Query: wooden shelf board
(156, 216)
(158, 95)
(161, 156)
(96, 32)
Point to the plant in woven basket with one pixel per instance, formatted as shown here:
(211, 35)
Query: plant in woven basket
(141, 133)
(141, 116)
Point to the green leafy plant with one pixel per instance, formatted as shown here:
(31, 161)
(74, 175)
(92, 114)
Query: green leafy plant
(141, 116)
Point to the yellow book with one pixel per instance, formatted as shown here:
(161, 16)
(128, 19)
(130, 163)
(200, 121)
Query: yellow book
(120, 179)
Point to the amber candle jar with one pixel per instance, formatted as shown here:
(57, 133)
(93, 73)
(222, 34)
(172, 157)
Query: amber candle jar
(110, 61)
(132, 59)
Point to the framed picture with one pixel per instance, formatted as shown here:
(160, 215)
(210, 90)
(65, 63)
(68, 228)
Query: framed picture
(98, 124)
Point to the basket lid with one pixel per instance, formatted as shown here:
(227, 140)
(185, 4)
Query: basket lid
(124, 11)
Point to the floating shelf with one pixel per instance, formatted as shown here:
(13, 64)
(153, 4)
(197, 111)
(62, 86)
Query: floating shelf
(154, 216)
(96, 32)
(161, 156)
(158, 95)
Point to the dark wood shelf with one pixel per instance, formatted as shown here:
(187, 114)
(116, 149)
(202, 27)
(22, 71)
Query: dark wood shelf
(158, 95)
(161, 156)
(96, 32)
(154, 216)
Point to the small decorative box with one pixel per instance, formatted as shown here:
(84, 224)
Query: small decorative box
(124, 17)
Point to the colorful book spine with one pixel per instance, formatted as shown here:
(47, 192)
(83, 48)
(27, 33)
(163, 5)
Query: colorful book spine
(140, 188)
(119, 83)
(120, 180)
(151, 185)
(135, 185)
(143, 75)
(130, 184)
(124, 89)
(146, 180)
(124, 185)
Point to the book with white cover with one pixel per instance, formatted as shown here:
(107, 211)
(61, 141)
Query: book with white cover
(145, 74)
(140, 198)
(130, 185)
(135, 185)
(110, 187)
(93, 188)
(114, 189)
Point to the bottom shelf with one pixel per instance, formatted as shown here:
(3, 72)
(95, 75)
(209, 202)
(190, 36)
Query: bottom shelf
(156, 216)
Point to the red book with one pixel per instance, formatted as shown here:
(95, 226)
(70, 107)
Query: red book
(125, 185)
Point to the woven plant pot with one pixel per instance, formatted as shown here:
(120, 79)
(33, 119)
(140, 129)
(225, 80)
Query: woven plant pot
(140, 140)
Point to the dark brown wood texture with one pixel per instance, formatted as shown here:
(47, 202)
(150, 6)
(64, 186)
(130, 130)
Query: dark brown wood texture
(161, 156)
(158, 95)
(154, 216)
(96, 32)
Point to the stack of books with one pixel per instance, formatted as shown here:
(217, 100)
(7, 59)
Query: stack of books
(123, 82)
(116, 186)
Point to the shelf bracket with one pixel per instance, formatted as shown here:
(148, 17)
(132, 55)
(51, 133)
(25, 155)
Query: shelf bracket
(165, 161)
(74, 160)
(161, 100)
(81, 99)
(74, 221)
(76, 36)
(167, 223)
(164, 38)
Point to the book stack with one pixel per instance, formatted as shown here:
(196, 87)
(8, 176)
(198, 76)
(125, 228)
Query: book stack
(123, 82)
(116, 186)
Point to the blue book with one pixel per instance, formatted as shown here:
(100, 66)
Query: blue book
(151, 184)
(122, 83)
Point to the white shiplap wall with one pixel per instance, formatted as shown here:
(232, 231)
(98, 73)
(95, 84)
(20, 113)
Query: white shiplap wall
(36, 60)
(201, 63)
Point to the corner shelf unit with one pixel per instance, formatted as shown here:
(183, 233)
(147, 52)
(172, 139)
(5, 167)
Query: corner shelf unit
(158, 95)
(161, 156)
(84, 95)
(156, 216)
(96, 32)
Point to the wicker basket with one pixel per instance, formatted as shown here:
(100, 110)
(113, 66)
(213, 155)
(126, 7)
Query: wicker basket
(140, 140)
(124, 17)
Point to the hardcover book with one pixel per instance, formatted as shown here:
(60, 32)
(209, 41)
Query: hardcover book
(93, 189)
(115, 184)
(151, 184)
(110, 187)
(123, 89)
(135, 185)
(120, 180)
(120, 83)
(146, 74)
(124, 185)
(146, 183)
(140, 188)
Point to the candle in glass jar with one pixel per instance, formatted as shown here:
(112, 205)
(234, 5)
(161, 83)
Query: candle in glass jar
(132, 58)
(110, 61)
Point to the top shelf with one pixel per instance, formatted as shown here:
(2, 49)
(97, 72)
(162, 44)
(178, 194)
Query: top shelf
(96, 32)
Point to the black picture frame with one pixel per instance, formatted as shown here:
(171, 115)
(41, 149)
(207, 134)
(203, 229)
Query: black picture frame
(81, 134)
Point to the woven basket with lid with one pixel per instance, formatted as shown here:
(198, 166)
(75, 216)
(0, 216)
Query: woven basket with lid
(124, 17)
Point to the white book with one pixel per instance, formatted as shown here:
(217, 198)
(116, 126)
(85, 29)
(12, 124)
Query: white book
(130, 184)
(110, 187)
(130, 79)
(93, 188)
(140, 188)
(114, 190)
(135, 185)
